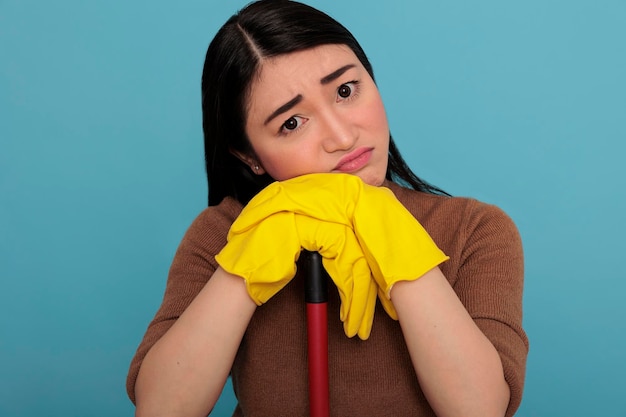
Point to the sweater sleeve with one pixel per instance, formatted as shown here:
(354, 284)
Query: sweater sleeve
(490, 285)
(193, 265)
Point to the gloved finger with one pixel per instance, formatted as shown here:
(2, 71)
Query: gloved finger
(368, 317)
(343, 284)
(351, 274)
(355, 291)
(387, 304)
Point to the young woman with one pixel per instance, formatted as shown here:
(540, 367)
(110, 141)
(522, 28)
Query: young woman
(298, 153)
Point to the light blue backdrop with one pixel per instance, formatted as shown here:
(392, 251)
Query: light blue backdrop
(521, 104)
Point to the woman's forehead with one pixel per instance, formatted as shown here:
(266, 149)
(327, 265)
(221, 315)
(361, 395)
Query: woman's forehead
(309, 65)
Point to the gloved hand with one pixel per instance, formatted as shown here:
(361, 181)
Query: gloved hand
(395, 244)
(346, 264)
(264, 250)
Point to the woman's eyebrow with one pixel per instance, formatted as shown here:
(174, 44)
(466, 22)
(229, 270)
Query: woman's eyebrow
(285, 107)
(336, 74)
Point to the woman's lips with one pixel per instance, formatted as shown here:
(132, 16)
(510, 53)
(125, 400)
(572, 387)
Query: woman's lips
(355, 160)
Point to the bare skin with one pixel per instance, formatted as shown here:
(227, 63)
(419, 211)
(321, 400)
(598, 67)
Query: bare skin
(184, 373)
(458, 368)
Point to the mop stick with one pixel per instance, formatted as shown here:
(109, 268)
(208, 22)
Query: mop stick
(316, 297)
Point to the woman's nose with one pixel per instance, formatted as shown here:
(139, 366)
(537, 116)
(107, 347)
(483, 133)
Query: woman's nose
(339, 132)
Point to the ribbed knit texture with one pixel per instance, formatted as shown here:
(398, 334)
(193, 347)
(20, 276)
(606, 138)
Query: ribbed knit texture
(367, 378)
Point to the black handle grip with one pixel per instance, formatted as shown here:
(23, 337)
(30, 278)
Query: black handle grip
(316, 277)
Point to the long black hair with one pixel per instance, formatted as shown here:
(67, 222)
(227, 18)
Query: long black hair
(264, 29)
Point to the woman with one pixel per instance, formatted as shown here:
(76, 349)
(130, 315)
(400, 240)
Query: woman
(287, 92)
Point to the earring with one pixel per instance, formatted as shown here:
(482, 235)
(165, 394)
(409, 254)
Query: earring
(256, 168)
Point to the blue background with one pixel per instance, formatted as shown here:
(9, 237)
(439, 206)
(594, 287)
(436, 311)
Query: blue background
(520, 104)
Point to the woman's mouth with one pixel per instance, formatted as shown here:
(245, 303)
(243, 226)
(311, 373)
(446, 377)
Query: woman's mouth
(355, 160)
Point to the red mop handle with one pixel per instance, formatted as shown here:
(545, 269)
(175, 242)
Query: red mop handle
(316, 297)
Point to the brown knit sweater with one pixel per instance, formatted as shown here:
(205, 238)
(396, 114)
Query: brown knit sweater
(367, 378)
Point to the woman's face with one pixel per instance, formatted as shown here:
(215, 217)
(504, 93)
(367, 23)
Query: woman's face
(317, 111)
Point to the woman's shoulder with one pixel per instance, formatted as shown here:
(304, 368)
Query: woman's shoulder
(211, 226)
(224, 213)
(461, 216)
(421, 202)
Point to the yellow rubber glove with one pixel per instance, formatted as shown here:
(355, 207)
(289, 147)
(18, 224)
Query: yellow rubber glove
(395, 244)
(264, 250)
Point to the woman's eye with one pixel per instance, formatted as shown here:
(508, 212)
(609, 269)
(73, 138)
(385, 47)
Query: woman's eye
(344, 91)
(291, 124)
(347, 90)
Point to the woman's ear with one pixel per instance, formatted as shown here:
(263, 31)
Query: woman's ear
(251, 161)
